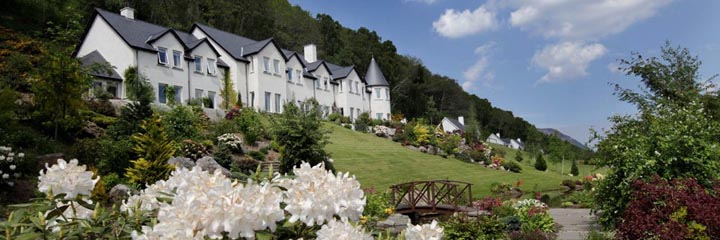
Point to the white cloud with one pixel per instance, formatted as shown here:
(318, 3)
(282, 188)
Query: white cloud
(567, 60)
(456, 24)
(478, 74)
(579, 20)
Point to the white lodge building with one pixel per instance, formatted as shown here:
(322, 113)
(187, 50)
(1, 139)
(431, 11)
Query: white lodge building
(265, 75)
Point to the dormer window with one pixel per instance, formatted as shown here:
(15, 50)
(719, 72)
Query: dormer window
(162, 56)
(177, 57)
(289, 72)
(211, 66)
(266, 64)
(326, 84)
(198, 64)
(357, 87)
(298, 74)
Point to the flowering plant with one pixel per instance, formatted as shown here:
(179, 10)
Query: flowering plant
(429, 231)
(534, 215)
(9, 161)
(232, 141)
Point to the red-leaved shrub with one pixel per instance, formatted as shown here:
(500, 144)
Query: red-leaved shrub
(676, 209)
(487, 203)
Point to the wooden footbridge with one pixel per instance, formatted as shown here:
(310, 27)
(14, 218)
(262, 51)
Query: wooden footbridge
(433, 197)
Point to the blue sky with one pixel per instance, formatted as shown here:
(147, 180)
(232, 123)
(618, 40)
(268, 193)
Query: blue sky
(547, 61)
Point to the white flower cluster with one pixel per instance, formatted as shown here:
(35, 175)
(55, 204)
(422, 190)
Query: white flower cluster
(527, 203)
(429, 231)
(231, 140)
(68, 178)
(316, 195)
(208, 205)
(8, 165)
(335, 229)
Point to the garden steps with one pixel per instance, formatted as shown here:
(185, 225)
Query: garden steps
(266, 166)
(576, 222)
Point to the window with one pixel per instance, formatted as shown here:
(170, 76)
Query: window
(379, 116)
(267, 101)
(211, 96)
(377, 93)
(357, 87)
(357, 112)
(252, 99)
(266, 64)
(198, 64)
(317, 83)
(387, 94)
(198, 93)
(277, 103)
(161, 93)
(178, 94)
(341, 86)
(276, 66)
(177, 57)
(112, 88)
(289, 72)
(298, 74)
(326, 84)
(212, 66)
(162, 56)
(352, 114)
(252, 64)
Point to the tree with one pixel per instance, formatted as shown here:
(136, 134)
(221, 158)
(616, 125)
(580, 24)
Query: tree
(472, 130)
(138, 86)
(574, 169)
(540, 163)
(301, 137)
(518, 156)
(672, 136)
(227, 93)
(153, 148)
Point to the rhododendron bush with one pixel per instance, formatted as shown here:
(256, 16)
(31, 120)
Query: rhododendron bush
(196, 204)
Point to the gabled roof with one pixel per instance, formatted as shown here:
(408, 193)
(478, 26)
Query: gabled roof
(340, 72)
(188, 41)
(222, 63)
(290, 54)
(231, 43)
(456, 123)
(95, 57)
(373, 76)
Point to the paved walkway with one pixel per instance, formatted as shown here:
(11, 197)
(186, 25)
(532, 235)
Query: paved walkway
(576, 222)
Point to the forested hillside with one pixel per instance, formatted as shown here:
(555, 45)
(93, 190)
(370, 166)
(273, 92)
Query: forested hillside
(416, 91)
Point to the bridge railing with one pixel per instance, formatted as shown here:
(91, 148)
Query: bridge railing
(437, 195)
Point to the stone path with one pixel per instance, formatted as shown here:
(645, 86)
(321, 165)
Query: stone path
(576, 222)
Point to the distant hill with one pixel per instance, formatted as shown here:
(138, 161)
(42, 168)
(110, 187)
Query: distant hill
(552, 131)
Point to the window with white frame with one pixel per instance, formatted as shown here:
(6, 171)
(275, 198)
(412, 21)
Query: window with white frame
(326, 83)
(252, 64)
(289, 72)
(341, 86)
(198, 93)
(357, 87)
(276, 66)
(352, 114)
(211, 96)
(162, 56)
(317, 83)
(177, 59)
(387, 94)
(267, 101)
(198, 64)
(298, 75)
(211, 66)
(161, 93)
(378, 93)
(277, 102)
(252, 99)
(266, 64)
(378, 116)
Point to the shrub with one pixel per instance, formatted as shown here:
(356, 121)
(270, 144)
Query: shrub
(540, 163)
(531, 235)
(422, 134)
(347, 126)
(192, 149)
(245, 165)
(334, 117)
(675, 209)
(108, 155)
(130, 119)
(264, 150)
(257, 155)
(231, 141)
(488, 203)
(154, 148)
(519, 156)
(574, 169)
(449, 143)
(250, 125)
(570, 184)
(181, 122)
(534, 216)
(512, 166)
(482, 227)
(463, 156)
(9, 164)
(223, 156)
(499, 152)
(363, 122)
(301, 137)
(378, 205)
(102, 106)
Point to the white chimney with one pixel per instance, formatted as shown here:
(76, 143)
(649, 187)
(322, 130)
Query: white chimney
(461, 119)
(128, 12)
(519, 140)
(310, 53)
(498, 134)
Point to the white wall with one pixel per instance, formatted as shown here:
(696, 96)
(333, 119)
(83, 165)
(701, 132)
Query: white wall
(203, 80)
(448, 126)
(104, 39)
(380, 105)
(298, 88)
(325, 98)
(237, 68)
(352, 100)
(166, 74)
(261, 82)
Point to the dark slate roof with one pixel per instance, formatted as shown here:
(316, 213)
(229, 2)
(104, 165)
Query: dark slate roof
(340, 72)
(289, 54)
(95, 57)
(140, 34)
(135, 32)
(222, 63)
(374, 77)
(233, 44)
(457, 124)
(314, 65)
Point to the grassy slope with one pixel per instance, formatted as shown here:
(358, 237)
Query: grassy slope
(380, 163)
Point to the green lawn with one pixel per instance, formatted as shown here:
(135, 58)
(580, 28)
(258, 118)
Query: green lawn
(381, 163)
(557, 167)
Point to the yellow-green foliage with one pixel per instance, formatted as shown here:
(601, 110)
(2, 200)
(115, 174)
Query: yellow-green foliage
(153, 149)
(422, 134)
